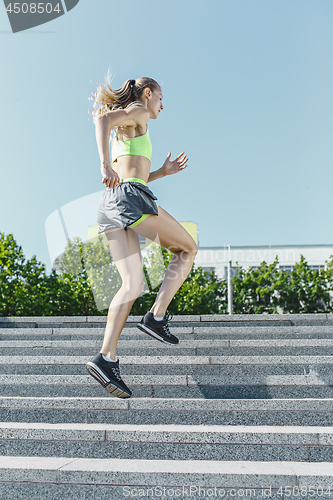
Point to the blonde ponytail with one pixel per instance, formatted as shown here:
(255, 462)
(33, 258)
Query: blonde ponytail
(106, 99)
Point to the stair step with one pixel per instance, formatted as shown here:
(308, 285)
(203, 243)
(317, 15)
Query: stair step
(312, 385)
(191, 344)
(259, 347)
(77, 476)
(211, 434)
(310, 412)
(174, 360)
(311, 379)
(170, 442)
(238, 366)
(196, 332)
(186, 405)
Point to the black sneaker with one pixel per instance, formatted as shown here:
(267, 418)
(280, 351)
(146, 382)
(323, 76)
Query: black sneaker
(108, 375)
(158, 329)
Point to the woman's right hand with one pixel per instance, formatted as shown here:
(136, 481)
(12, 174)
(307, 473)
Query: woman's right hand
(110, 176)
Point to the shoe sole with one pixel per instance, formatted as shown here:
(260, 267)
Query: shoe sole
(105, 382)
(153, 334)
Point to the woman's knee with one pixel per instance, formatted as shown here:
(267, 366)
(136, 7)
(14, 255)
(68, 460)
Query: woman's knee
(189, 246)
(194, 248)
(133, 287)
(192, 251)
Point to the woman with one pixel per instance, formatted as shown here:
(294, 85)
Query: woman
(128, 209)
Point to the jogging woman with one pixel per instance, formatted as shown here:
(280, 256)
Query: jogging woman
(128, 209)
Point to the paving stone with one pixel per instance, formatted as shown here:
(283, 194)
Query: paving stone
(173, 473)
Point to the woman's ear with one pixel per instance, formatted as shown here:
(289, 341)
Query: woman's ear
(148, 93)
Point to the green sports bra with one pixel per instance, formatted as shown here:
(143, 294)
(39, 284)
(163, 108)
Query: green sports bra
(139, 146)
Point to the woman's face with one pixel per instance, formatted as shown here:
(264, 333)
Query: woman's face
(155, 103)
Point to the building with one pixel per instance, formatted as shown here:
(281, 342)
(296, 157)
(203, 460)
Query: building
(217, 258)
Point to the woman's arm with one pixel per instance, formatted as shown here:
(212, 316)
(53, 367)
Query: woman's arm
(136, 115)
(155, 175)
(103, 125)
(169, 167)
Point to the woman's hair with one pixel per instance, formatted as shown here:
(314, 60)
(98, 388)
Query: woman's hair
(106, 99)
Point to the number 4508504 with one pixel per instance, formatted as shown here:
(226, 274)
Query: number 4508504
(33, 8)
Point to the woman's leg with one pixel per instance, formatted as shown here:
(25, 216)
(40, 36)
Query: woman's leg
(166, 231)
(125, 250)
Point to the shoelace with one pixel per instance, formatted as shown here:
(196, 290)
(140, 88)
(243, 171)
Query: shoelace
(116, 371)
(168, 316)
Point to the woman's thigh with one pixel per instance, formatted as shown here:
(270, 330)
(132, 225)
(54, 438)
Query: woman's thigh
(126, 253)
(166, 231)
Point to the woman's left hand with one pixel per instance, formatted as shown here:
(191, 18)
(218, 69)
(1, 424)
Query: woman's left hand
(172, 167)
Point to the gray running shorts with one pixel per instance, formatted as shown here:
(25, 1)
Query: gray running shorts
(124, 205)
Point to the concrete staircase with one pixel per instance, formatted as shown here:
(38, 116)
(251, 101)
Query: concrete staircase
(241, 407)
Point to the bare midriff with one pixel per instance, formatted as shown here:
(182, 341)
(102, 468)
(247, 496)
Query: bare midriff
(132, 166)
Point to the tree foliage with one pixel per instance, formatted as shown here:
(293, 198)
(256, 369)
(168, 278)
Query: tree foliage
(85, 279)
(27, 290)
(23, 284)
(268, 290)
(254, 290)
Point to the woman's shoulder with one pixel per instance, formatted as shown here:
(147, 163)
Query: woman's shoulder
(131, 116)
(137, 114)
(138, 109)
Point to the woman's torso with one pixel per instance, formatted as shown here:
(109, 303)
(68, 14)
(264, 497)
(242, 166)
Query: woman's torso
(132, 165)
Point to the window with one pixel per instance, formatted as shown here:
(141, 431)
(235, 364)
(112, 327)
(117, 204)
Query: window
(286, 268)
(233, 272)
(316, 268)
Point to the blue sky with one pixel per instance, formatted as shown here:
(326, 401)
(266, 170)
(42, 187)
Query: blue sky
(247, 88)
